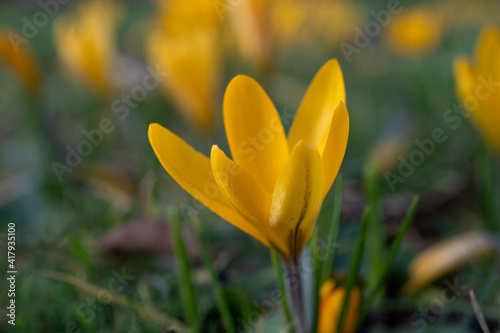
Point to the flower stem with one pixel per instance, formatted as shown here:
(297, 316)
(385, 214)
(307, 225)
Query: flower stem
(278, 272)
(293, 283)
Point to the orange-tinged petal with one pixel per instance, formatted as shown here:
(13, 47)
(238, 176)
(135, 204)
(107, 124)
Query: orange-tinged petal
(192, 171)
(316, 109)
(254, 130)
(335, 145)
(19, 60)
(240, 188)
(297, 197)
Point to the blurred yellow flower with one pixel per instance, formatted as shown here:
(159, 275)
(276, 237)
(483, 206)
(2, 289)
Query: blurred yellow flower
(86, 43)
(330, 307)
(20, 62)
(251, 20)
(445, 257)
(186, 43)
(297, 21)
(477, 84)
(181, 18)
(274, 187)
(415, 31)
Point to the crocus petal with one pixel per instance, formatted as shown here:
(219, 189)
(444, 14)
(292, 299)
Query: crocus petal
(464, 81)
(297, 197)
(192, 170)
(253, 127)
(316, 109)
(240, 188)
(335, 145)
(488, 51)
(85, 43)
(330, 308)
(468, 86)
(193, 75)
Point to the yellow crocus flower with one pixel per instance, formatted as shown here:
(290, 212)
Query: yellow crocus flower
(181, 18)
(415, 31)
(330, 306)
(192, 65)
(20, 62)
(186, 43)
(86, 44)
(477, 84)
(273, 187)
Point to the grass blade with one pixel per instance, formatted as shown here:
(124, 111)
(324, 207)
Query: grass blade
(220, 298)
(355, 266)
(332, 231)
(183, 268)
(318, 270)
(487, 186)
(410, 215)
(143, 310)
(376, 235)
(478, 312)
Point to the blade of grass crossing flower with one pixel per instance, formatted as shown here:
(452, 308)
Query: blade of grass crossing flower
(220, 298)
(332, 232)
(278, 273)
(317, 271)
(323, 267)
(354, 268)
(143, 310)
(376, 235)
(478, 312)
(183, 268)
(410, 215)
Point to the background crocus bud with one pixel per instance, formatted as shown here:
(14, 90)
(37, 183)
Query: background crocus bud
(185, 42)
(477, 81)
(330, 306)
(85, 43)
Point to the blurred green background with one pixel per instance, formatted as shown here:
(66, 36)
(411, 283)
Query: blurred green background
(75, 225)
